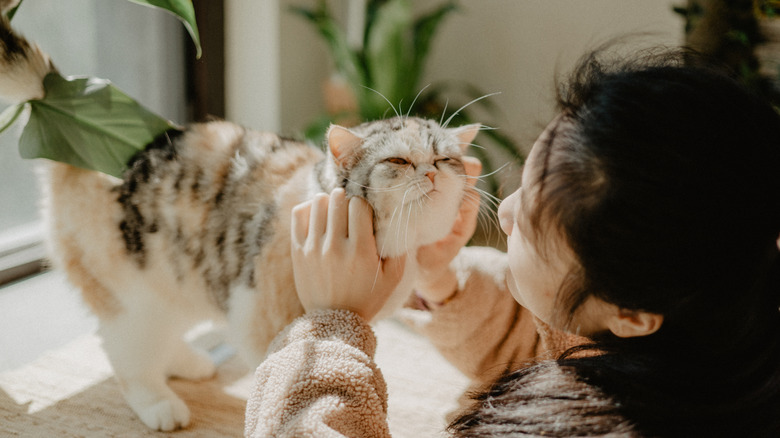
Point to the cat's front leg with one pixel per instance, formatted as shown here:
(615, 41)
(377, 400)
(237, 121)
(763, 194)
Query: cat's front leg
(155, 403)
(142, 344)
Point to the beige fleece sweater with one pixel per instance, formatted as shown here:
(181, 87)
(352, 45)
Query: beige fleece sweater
(320, 380)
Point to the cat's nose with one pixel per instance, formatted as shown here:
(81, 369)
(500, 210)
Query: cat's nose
(430, 174)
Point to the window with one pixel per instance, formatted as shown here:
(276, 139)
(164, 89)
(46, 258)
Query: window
(140, 49)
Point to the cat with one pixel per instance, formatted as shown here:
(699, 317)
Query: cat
(198, 228)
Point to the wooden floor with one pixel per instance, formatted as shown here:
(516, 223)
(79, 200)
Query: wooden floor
(55, 380)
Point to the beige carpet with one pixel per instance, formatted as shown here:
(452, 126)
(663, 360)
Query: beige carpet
(70, 392)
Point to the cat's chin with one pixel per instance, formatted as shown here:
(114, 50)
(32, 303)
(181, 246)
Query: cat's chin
(423, 220)
(430, 228)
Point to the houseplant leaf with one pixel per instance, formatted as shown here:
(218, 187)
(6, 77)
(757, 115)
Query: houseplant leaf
(388, 55)
(10, 14)
(425, 28)
(345, 59)
(89, 123)
(182, 9)
(9, 116)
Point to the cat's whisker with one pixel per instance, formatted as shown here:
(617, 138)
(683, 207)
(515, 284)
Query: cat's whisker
(408, 217)
(376, 276)
(406, 231)
(495, 171)
(489, 196)
(418, 184)
(377, 189)
(397, 113)
(444, 111)
(490, 202)
(487, 214)
(420, 207)
(389, 226)
(403, 202)
(488, 219)
(447, 122)
(414, 101)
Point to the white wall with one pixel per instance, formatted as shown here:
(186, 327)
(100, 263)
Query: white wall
(510, 46)
(252, 94)
(515, 47)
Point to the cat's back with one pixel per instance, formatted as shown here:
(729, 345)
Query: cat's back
(206, 159)
(178, 207)
(205, 168)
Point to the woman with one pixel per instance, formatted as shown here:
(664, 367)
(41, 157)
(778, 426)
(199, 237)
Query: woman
(647, 223)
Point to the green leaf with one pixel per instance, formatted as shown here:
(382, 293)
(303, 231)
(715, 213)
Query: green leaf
(182, 9)
(9, 116)
(345, 59)
(389, 54)
(89, 123)
(13, 10)
(425, 28)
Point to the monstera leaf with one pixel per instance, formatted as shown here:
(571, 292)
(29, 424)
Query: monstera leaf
(86, 122)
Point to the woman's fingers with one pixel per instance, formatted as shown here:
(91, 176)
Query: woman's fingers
(318, 218)
(300, 222)
(470, 206)
(473, 168)
(335, 263)
(337, 215)
(361, 225)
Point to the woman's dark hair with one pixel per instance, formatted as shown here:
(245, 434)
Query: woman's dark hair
(663, 177)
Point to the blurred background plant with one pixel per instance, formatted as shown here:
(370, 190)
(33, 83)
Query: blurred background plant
(379, 57)
(743, 35)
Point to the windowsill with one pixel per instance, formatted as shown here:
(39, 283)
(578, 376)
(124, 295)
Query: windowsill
(21, 252)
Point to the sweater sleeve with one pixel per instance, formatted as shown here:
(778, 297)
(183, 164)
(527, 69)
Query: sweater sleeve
(319, 380)
(482, 330)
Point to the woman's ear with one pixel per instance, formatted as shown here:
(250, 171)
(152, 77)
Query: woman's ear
(626, 323)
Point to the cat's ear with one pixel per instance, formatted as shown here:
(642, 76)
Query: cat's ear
(343, 144)
(465, 134)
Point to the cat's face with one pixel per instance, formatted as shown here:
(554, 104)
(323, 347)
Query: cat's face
(410, 171)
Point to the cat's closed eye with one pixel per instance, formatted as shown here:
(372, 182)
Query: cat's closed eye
(398, 160)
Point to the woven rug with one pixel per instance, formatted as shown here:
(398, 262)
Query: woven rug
(70, 391)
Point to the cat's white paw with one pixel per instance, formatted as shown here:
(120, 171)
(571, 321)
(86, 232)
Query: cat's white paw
(165, 415)
(192, 364)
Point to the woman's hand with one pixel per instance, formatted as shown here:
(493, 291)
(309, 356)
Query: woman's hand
(335, 259)
(436, 282)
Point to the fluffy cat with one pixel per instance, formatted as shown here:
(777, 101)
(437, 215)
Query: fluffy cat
(198, 228)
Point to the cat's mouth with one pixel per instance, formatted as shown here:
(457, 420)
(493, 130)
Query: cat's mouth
(426, 195)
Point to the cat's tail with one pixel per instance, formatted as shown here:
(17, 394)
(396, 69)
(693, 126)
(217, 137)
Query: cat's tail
(23, 65)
